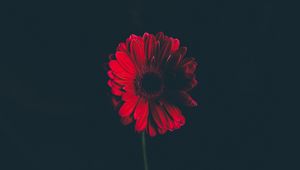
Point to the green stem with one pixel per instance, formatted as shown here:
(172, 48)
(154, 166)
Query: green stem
(144, 151)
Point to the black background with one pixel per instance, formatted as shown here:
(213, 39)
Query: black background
(55, 109)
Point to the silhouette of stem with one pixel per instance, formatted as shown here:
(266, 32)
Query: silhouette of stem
(144, 151)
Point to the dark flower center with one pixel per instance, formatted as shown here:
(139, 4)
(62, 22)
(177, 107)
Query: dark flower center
(151, 83)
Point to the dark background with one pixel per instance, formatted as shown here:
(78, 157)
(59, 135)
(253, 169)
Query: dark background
(55, 112)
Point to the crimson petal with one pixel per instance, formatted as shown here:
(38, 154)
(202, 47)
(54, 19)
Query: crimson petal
(159, 116)
(137, 52)
(187, 100)
(115, 88)
(159, 36)
(192, 82)
(126, 120)
(128, 96)
(119, 80)
(175, 113)
(189, 66)
(149, 45)
(115, 102)
(141, 115)
(141, 108)
(128, 107)
(165, 49)
(125, 62)
(175, 44)
(151, 130)
(119, 71)
(122, 47)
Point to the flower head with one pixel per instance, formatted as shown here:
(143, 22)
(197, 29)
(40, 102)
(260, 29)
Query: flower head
(149, 78)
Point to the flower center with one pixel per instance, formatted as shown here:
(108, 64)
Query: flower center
(150, 84)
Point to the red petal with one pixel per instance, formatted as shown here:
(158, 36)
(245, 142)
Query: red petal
(116, 92)
(145, 35)
(165, 50)
(125, 62)
(181, 54)
(162, 131)
(128, 96)
(177, 125)
(149, 40)
(113, 84)
(155, 58)
(137, 51)
(172, 125)
(141, 108)
(119, 80)
(115, 102)
(126, 120)
(109, 83)
(183, 51)
(122, 47)
(151, 130)
(159, 36)
(187, 100)
(190, 66)
(142, 116)
(141, 124)
(177, 57)
(130, 39)
(111, 57)
(129, 87)
(175, 113)
(175, 44)
(159, 116)
(115, 88)
(110, 74)
(127, 108)
(119, 71)
(192, 84)
(133, 36)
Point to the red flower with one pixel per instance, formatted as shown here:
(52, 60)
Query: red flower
(149, 77)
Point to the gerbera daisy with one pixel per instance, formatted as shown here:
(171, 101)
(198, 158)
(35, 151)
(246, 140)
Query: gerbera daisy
(150, 78)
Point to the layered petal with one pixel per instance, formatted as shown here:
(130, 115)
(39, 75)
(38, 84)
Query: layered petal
(149, 40)
(115, 88)
(141, 108)
(128, 96)
(141, 115)
(122, 48)
(125, 62)
(160, 36)
(187, 100)
(115, 102)
(128, 107)
(110, 74)
(138, 52)
(126, 120)
(189, 66)
(161, 119)
(175, 113)
(192, 82)
(137, 101)
(151, 130)
(175, 45)
(119, 71)
(165, 49)
(119, 80)
(176, 58)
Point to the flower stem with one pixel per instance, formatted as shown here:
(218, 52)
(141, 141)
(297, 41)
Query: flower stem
(144, 151)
